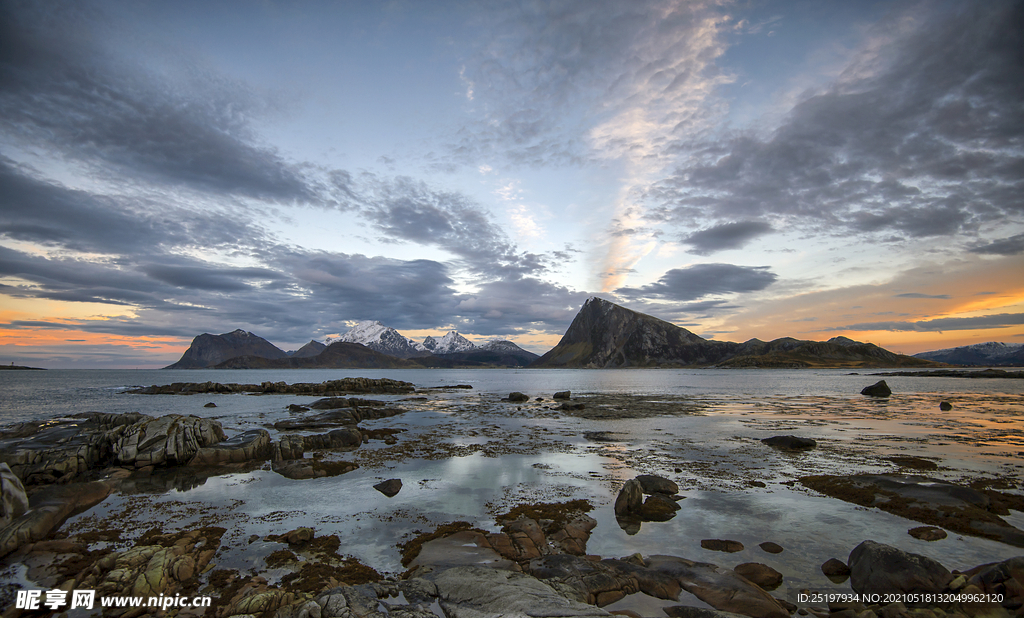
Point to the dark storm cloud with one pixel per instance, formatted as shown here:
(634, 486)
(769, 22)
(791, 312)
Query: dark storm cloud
(45, 212)
(700, 280)
(922, 136)
(1013, 245)
(60, 87)
(726, 236)
(1001, 320)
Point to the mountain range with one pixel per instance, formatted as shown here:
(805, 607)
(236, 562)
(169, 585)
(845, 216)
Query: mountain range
(602, 335)
(367, 344)
(989, 354)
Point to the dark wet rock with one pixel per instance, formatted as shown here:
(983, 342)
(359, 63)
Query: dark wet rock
(298, 536)
(334, 403)
(602, 436)
(301, 469)
(630, 498)
(47, 510)
(652, 484)
(294, 407)
(761, 574)
(210, 405)
(719, 587)
(722, 545)
(468, 547)
(329, 388)
(771, 548)
(836, 570)
(575, 405)
(13, 499)
(288, 446)
(336, 417)
(945, 406)
(390, 487)
(518, 397)
(792, 443)
(562, 395)
(658, 507)
(876, 568)
(344, 438)
(929, 501)
(474, 592)
(248, 446)
(167, 440)
(927, 533)
(1003, 578)
(878, 389)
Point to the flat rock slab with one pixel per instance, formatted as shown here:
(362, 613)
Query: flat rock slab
(927, 500)
(478, 592)
(790, 443)
(466, 548)
(722, 545)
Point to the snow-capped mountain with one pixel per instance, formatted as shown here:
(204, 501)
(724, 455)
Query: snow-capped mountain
(983, 354)
(380, 338)
(449, 344)
(501, 345)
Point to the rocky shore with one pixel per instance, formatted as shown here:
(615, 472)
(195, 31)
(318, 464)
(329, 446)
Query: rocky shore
(528, 560)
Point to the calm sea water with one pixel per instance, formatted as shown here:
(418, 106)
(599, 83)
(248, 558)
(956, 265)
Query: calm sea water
(30, 395)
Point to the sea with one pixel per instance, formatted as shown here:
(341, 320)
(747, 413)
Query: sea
(488, 456)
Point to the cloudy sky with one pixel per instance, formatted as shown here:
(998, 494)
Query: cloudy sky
(744, 169)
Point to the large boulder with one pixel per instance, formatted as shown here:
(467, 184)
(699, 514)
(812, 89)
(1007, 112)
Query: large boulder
(653, 484)
(630, 499)
(876, 568)
(790, 443)
(168, 440)
(13, 499)
(878, 389)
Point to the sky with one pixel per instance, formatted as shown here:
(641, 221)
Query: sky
(748, 168)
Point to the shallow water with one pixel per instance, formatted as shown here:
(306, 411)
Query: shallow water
(465, 455)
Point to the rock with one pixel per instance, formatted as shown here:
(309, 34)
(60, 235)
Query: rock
(761, 574)
(562, 395)
(630, 498)
(294, 407)
(877, 568)
(719, 587)
(927, 533)
(793, 443)
(329, 388)
(468, 547)
(300, 469)
(48, 508)
(13, 499)
(771, 548)
(945, 406)
(344, 438)
(389, 488)
(288, 447)
(1005, 578)
(658, 507)
(652, 484)
(210, 405)
(927, 500)
(722, 545)
(248, 446)
(517, 397)
(475, 592)
(335, 417)
(298, 536)
(602, 582)
(878, 389)
(836, 570)
(576, 405)
(167, 440)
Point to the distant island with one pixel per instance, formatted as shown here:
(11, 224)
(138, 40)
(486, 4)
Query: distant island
(603, 335)
(13, 367)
